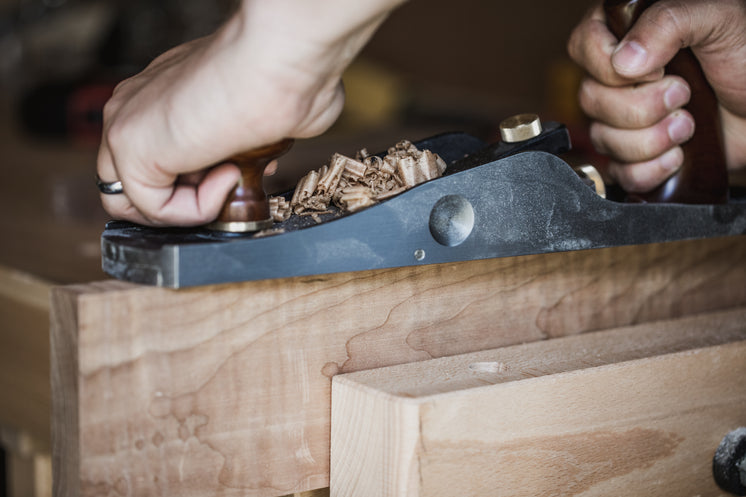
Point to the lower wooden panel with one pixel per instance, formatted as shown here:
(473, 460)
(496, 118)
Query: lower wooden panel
(27, 466)
(635, 411)
(25, 400)
(226, 390)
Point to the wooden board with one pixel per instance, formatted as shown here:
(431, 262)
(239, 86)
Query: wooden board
(25, 400)
(225, 390)
(28, 466)
(632, 411)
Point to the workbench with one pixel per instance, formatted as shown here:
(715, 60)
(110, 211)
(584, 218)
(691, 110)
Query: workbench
(226, 389)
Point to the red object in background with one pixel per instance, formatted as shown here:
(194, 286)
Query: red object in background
(84, 116)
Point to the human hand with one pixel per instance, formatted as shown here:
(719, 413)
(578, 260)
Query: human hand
(273, 71)
(636, 110)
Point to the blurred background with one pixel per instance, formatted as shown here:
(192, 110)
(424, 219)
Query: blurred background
(434, 66)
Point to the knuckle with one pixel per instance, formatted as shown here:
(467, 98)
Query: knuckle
(111, 107)
(150, 216)
(636, 116)
(122, 86)
(634, 178)
(641, 177)
(673, 20)
(115, 135)
(616, 172)
(645, 104)
(573, 46)
(626, 145)
(118, 98)
(587, 97)
(597, 136)
(646, 146)
(632, 150)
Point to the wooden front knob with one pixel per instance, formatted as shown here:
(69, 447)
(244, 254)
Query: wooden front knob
(703, 178)
(247, 208)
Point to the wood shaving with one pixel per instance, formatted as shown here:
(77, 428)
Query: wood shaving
(279, 209)
(269, 232)
(352, 184)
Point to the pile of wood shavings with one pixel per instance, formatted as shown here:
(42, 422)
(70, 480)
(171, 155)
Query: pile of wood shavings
(353, 184)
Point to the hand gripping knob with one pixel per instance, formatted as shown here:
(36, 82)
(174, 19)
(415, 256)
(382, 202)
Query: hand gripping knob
(247, 208)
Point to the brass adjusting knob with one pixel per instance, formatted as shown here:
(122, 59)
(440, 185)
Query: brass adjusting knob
(520, 128)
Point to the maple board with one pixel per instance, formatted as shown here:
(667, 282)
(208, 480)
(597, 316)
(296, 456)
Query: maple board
(225, 390)
(632, 411)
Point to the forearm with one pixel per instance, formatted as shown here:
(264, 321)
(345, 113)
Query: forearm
(321, 36)
(324, 21)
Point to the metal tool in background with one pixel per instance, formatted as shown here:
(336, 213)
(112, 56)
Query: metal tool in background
(500, 200)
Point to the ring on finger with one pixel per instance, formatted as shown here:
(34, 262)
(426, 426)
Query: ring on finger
(111, 188)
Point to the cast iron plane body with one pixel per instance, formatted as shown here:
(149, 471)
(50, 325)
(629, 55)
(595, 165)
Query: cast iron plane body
(498, 200)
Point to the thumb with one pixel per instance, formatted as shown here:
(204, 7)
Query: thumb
(663, 29)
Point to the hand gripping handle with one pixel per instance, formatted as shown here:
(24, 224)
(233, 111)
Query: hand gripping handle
(247, 207)
(703, 178)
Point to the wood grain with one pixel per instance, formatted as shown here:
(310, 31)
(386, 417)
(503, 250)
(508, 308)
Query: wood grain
(66, 453)
(631, 411)
(225, 390)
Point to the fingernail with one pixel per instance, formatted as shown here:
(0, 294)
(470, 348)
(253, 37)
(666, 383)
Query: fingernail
(629, 58)
(672, 159)
(680, 128)
(676, 95)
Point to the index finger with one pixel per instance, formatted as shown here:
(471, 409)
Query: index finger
(185, 204)
(119, 206)
(591, 46)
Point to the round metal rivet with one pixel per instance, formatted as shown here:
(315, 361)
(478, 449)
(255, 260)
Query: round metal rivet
(419, 254)
(451, 220)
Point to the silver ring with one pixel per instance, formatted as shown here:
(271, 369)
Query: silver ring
(113, 188)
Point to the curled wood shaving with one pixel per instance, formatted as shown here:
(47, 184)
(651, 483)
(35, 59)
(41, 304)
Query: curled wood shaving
(354, 198)
(269, 232)
(279, 209)
(328, 183)
(391, 193)
(355, 169)
(355, 183)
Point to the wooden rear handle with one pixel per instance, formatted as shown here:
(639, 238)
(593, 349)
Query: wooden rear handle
(703, 178)
(247, 207)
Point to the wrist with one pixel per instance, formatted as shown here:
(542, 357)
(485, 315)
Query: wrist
(314, 27)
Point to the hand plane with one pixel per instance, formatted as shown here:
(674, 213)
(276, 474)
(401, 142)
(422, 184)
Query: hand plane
(504, 199)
